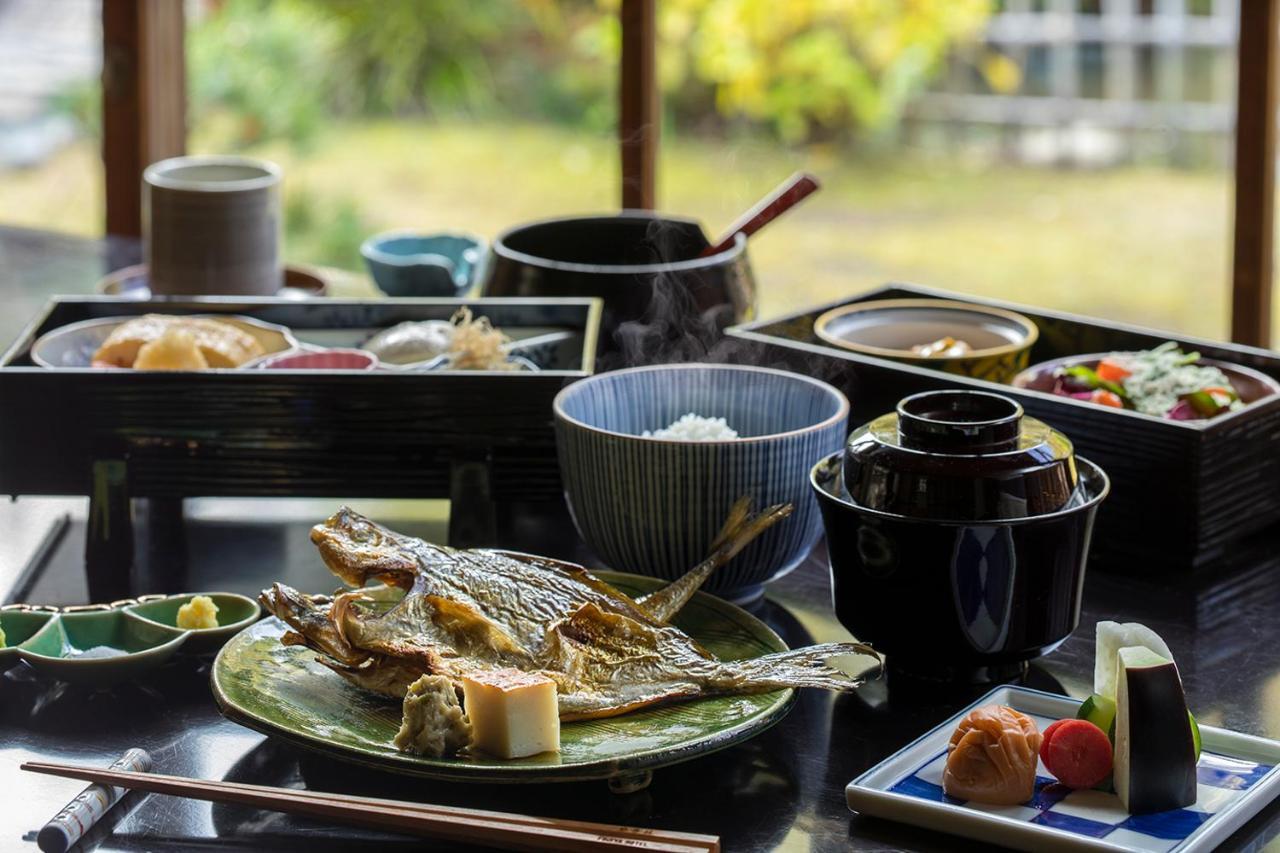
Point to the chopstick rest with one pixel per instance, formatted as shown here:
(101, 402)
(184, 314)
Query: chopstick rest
(77, 817)
(450, 823)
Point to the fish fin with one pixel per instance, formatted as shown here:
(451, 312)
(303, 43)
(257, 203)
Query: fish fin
(386, 676)
(589, 706)
(739, 529)
(474, 633)
(738, 513)
(806, 667)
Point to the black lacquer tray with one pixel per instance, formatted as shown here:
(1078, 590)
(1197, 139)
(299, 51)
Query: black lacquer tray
(478, 437)
(1184, 493)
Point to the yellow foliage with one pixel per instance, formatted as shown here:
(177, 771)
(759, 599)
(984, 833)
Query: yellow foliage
(799, 63)
(1002, 74)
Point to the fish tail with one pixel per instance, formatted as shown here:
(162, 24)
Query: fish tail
(805, 667)
(739, 529)
(738, 514)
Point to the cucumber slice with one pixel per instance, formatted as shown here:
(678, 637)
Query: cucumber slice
(1100, 711)
(1195, 733)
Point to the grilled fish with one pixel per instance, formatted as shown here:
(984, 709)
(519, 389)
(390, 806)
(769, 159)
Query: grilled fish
(468, 610)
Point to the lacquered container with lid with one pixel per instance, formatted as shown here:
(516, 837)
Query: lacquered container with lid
(959, 547)
(959, 455)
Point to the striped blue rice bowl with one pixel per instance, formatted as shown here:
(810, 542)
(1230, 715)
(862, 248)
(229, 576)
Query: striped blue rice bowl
(653, 506)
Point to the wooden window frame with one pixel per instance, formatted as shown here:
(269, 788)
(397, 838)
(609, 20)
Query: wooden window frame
(1253, 231)
(144, 100)
(144, 119)
(638, 104)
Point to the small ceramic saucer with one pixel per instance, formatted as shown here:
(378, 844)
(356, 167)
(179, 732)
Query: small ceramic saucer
(131, 282)
(99, 647)
(74, 344)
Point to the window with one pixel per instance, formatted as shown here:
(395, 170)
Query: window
(1029, 163)
(1074, 155)
(388, 114)
(50, 139)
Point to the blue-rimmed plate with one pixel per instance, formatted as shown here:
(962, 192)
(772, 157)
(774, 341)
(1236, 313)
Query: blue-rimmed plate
(1238, 775)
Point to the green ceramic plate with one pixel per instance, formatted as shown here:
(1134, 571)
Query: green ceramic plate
(280, 690)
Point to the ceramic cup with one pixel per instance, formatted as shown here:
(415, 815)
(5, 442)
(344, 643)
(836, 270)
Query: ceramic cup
(211, 225)
(405, 263)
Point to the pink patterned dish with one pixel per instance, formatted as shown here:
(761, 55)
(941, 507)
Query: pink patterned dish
(329, 359)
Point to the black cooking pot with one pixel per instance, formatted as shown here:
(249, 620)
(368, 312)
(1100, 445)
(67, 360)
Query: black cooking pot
(661, 301)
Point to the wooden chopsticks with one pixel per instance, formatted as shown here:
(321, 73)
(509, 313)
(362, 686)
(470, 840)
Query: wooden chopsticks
(449, 823)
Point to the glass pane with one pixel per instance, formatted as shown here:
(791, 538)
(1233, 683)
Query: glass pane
(50, 137)
(402, 114)
(980, 152)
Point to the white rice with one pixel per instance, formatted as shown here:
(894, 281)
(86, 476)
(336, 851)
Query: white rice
(693, 427)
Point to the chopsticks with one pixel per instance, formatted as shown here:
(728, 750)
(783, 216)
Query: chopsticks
(449, 823)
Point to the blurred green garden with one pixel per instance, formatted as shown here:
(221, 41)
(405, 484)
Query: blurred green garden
(475, 116)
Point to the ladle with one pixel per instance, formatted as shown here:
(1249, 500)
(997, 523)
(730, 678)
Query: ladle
(784, 197)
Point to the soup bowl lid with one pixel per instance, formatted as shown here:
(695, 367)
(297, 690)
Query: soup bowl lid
(959, 454)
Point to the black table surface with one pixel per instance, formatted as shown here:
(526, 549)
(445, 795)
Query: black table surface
(783, 790)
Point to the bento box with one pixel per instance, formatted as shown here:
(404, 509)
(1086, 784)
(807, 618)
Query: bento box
(483, 435)
(1184, 493)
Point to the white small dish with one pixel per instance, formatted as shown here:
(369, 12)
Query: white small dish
(74, 344)
(1238, 775)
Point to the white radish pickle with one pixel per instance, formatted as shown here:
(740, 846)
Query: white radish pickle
(1113, 636)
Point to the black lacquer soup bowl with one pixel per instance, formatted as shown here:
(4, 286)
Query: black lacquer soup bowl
(954, 597)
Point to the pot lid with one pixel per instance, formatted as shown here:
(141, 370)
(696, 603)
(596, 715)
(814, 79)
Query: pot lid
(960, 454)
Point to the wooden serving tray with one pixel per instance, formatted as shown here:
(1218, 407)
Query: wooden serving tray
(1184, 493)
(479, 437)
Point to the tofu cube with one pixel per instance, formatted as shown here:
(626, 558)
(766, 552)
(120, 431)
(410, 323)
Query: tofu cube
(513, 714)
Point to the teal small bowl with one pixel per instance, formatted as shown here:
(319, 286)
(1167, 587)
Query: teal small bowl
(406, 263)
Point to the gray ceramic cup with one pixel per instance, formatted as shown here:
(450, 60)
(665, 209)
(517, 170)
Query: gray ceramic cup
(211, 225)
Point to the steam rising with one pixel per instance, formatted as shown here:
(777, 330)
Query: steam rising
(673, 330)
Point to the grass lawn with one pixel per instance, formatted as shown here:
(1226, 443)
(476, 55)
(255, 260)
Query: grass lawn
(1142, 245)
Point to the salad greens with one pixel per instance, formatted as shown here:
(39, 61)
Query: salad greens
(1163, 381)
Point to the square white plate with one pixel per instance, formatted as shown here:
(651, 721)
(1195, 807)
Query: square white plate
(1238, 775)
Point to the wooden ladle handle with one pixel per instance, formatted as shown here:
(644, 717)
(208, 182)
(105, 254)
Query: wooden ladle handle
(787, 194)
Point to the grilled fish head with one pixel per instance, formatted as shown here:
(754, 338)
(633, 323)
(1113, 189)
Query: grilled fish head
(357, 549)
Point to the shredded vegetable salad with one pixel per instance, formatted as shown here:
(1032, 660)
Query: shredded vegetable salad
(1164, 382)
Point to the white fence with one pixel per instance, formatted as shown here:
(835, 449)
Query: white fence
(1109, 68)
